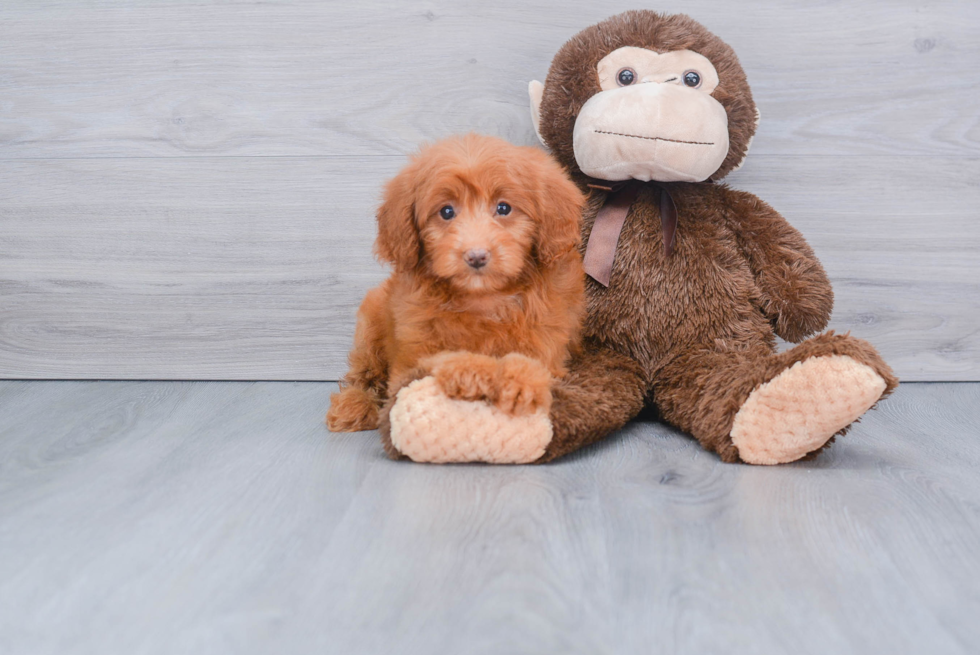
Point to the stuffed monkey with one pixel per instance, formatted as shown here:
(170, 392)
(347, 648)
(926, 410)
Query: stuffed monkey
(689, 281)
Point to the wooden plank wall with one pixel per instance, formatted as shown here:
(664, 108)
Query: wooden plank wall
(187, 187)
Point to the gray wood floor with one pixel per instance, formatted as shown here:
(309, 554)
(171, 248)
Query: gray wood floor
(203, 517)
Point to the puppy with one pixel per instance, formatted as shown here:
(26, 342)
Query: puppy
(487, 292)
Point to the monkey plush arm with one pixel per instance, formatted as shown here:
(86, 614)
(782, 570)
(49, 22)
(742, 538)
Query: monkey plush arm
(796, 294)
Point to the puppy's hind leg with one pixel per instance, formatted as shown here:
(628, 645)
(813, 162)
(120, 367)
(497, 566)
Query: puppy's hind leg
(352, 410)
(363, 389)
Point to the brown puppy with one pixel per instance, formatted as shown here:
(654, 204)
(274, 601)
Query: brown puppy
(487, 294)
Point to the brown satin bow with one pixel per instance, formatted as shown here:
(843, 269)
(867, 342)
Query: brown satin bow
(600, 252)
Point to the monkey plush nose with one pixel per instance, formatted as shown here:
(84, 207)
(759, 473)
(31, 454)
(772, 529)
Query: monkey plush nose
(476, 258)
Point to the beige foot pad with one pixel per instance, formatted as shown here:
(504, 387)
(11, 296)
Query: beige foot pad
(800, 409)
(427, 426)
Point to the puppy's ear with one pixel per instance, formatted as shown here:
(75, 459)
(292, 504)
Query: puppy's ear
(559, 208)
(398, 235)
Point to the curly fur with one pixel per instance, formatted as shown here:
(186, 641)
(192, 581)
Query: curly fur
(438, 314)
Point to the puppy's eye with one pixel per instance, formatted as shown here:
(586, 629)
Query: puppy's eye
(692, 78)
(447, 212)
(626, 77)
(503, 209)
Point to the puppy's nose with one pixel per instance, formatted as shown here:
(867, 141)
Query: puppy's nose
(476, 258)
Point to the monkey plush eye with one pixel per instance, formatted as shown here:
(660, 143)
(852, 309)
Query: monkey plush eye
(447, 212)
(692, 78)
(626, 77)
(503, 208)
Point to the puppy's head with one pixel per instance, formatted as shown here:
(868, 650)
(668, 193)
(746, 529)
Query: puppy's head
(479, 213)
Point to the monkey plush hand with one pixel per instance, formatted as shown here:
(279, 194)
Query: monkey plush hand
(690, 281)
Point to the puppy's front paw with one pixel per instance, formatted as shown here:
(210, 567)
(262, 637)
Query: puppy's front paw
(524, 386)
(465, 376)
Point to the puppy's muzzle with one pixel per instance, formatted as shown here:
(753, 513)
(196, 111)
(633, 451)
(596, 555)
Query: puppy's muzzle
(476, 258)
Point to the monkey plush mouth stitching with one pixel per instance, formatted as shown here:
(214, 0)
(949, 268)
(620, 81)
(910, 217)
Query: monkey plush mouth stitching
(657, 138)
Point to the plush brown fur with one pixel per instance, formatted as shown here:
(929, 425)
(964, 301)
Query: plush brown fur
(700, 324)
(500, 332)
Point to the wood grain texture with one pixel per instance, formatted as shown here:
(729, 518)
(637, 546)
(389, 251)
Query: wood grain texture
(187, 188)
(186, 78)
(255, 269)
(223, 518)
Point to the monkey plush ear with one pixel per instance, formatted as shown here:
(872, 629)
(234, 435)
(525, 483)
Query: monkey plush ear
(398, 236)
(536, 90)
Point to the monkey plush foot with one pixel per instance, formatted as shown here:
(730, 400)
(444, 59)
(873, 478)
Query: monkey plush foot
(799, 410)
(428, 426)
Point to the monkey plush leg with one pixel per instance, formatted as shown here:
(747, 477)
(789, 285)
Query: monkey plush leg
(600, 393)
(763, 408)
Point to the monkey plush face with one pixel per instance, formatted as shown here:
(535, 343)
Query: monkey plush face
(648, 97)
(654, 118)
